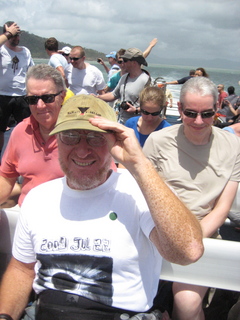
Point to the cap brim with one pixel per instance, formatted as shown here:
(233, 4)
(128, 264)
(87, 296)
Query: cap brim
(75, 125)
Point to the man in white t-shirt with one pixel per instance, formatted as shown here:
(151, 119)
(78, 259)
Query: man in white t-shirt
(83, 78)
(87, 242)
(57, 60)
(14, 63)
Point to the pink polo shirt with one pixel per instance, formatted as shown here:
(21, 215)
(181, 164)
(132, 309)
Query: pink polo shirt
(29, 156)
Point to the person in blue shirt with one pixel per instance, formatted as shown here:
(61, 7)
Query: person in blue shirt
(152, 101)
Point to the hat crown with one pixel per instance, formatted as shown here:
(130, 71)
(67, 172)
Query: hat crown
(77, 110)
(134, 54)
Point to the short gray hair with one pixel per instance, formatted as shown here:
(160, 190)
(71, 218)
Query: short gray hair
(200, 85)
(46, 72)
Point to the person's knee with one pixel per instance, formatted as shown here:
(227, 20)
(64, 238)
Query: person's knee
(187, 301)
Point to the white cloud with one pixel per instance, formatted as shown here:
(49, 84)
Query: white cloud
(185, 29)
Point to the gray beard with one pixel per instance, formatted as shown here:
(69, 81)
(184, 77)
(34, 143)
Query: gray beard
(87, 182)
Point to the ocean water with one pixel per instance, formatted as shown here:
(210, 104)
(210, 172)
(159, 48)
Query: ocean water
(218, 76)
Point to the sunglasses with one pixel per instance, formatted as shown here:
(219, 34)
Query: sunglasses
(120, 61)
(194, 114)
(75, 59)
(46, 98)
(72, 138)
(157, 113)
(125, 60)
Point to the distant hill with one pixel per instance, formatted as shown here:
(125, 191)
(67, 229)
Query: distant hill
(36, 45)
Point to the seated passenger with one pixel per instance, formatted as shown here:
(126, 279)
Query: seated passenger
(152, 101)
(31, 153)
(202, 164)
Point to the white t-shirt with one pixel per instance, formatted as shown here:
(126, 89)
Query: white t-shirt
(13, 69)
(114, 69)
(96, 240)
(58, 60)
(85, 81)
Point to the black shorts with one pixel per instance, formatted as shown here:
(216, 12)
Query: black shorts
(15, 106)
(57, 305)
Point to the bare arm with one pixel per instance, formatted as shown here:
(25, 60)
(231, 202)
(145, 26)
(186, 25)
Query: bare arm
(6, 187)
(177, 233)
(149, 48)
(100, 92)
(103, 64)
(211, 222)
(235, 112)
(13, 29)
(108, 97)
(61, 70)
(172, 82)
(16, 287)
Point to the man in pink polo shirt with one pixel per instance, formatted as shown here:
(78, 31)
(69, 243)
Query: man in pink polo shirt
(31, 153)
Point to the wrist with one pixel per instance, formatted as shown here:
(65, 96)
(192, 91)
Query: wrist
(5, 316)
(8, 34)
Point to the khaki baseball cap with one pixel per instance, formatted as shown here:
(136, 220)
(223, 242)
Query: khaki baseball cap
(134, 54)
(76, 112)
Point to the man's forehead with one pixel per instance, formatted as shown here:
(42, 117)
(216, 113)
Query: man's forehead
(41, 82)
(75, 51)
(197, 96)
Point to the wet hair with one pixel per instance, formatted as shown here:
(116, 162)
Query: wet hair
(51, 44)
(204, 73)
(231, 90)
(46, 72)
(80, 49)
(199, 85)
(153, 94)
(192, 72)
(8, 23)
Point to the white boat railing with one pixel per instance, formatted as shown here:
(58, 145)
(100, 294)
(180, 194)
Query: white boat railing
(219, 267)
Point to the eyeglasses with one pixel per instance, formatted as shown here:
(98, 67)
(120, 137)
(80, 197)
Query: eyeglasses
(157, 113)
(46, 98)
(193, 114)
(75, 59)
(125, 60)
(120, 61)
(71, 138)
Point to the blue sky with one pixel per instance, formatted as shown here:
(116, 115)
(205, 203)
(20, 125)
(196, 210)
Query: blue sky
(206, 29)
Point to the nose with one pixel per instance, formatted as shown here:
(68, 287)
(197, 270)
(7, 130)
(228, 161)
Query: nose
(40, 104)
(82, 149)
(198, 119)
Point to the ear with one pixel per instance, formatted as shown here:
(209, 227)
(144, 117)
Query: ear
(180, 109)
(63, 95)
